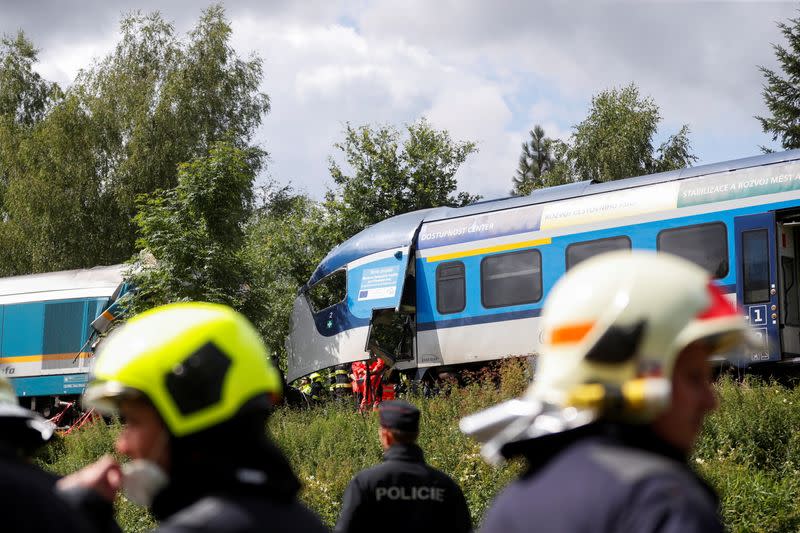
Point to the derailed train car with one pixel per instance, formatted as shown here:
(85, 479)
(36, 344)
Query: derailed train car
(449, 286)
(47, 325)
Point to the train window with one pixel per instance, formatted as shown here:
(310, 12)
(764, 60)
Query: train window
(451, 288)
(511, 279)
(705, 245)
(328, 291)
(581, 251)
(755, 258)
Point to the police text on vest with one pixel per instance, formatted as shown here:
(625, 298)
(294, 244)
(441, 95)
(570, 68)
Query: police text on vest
(410, 493)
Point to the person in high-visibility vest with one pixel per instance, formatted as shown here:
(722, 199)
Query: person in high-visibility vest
(340, 382)
(317, 387)
(305, 387)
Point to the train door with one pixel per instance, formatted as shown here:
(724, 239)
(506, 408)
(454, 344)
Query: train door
(392, 329)
(788, 233)
(757, 281)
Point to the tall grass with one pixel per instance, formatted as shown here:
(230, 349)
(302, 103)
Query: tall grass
(749, 449)
(750, 452)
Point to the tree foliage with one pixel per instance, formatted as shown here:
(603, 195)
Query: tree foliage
(120, 131)
(390, 174)
(535, 161)
(287, 238)
(615, 140)
(782, 92)
(195, 233)
(25, 98)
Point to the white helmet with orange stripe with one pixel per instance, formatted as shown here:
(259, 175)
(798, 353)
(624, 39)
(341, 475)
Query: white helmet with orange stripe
(621, 319)
(612, 329)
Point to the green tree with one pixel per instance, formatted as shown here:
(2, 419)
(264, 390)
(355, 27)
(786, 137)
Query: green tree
(782, 92)
(615, 140)
(392, 174)
(286, 239)
(25, 98)
(54, 199)
(535, 161)
(121, 131)
(195, 233)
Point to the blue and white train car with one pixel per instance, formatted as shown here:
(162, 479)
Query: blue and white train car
(461, 285)
(46, 327)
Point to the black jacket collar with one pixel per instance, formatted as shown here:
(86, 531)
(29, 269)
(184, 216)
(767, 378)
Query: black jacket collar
(270, 477)
(541, 450)
(404, 452)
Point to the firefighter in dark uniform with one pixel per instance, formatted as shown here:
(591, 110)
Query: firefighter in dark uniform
(194, 384)
(341, 387)
(317, 388)
(402, 494)
(622, 385)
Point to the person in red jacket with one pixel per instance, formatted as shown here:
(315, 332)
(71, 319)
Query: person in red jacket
(367, 383)
(359, 377)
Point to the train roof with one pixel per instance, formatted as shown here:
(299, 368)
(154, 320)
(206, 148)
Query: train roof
(99, 280)
(399, 230)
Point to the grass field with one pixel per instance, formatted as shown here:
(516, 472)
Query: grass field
(749, 450)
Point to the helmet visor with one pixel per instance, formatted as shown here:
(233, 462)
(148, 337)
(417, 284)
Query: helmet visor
(105, 396)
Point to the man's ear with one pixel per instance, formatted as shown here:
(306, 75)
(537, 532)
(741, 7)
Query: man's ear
(387, 439)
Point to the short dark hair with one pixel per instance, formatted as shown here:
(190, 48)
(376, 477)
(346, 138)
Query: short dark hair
(403, 437)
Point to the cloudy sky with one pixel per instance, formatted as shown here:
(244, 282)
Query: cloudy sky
(486, 71)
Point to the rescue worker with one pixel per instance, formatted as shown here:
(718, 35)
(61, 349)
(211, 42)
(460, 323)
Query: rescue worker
(620, 392)
(317, 387)
(402, 494)
(375, 382)
(305, 386)
(359, 380)
(194, 384)
(340, 382)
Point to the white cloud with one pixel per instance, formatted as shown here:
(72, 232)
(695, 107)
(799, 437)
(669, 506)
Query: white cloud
(485, 71)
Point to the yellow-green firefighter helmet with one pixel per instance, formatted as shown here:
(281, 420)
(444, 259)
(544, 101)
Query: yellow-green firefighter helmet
(198, 363)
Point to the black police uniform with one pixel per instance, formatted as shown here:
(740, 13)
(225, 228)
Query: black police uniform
(604, 478)
(403, 494)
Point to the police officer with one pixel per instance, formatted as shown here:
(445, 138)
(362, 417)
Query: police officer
(622, 385)
(403, 493)
(193, 384)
